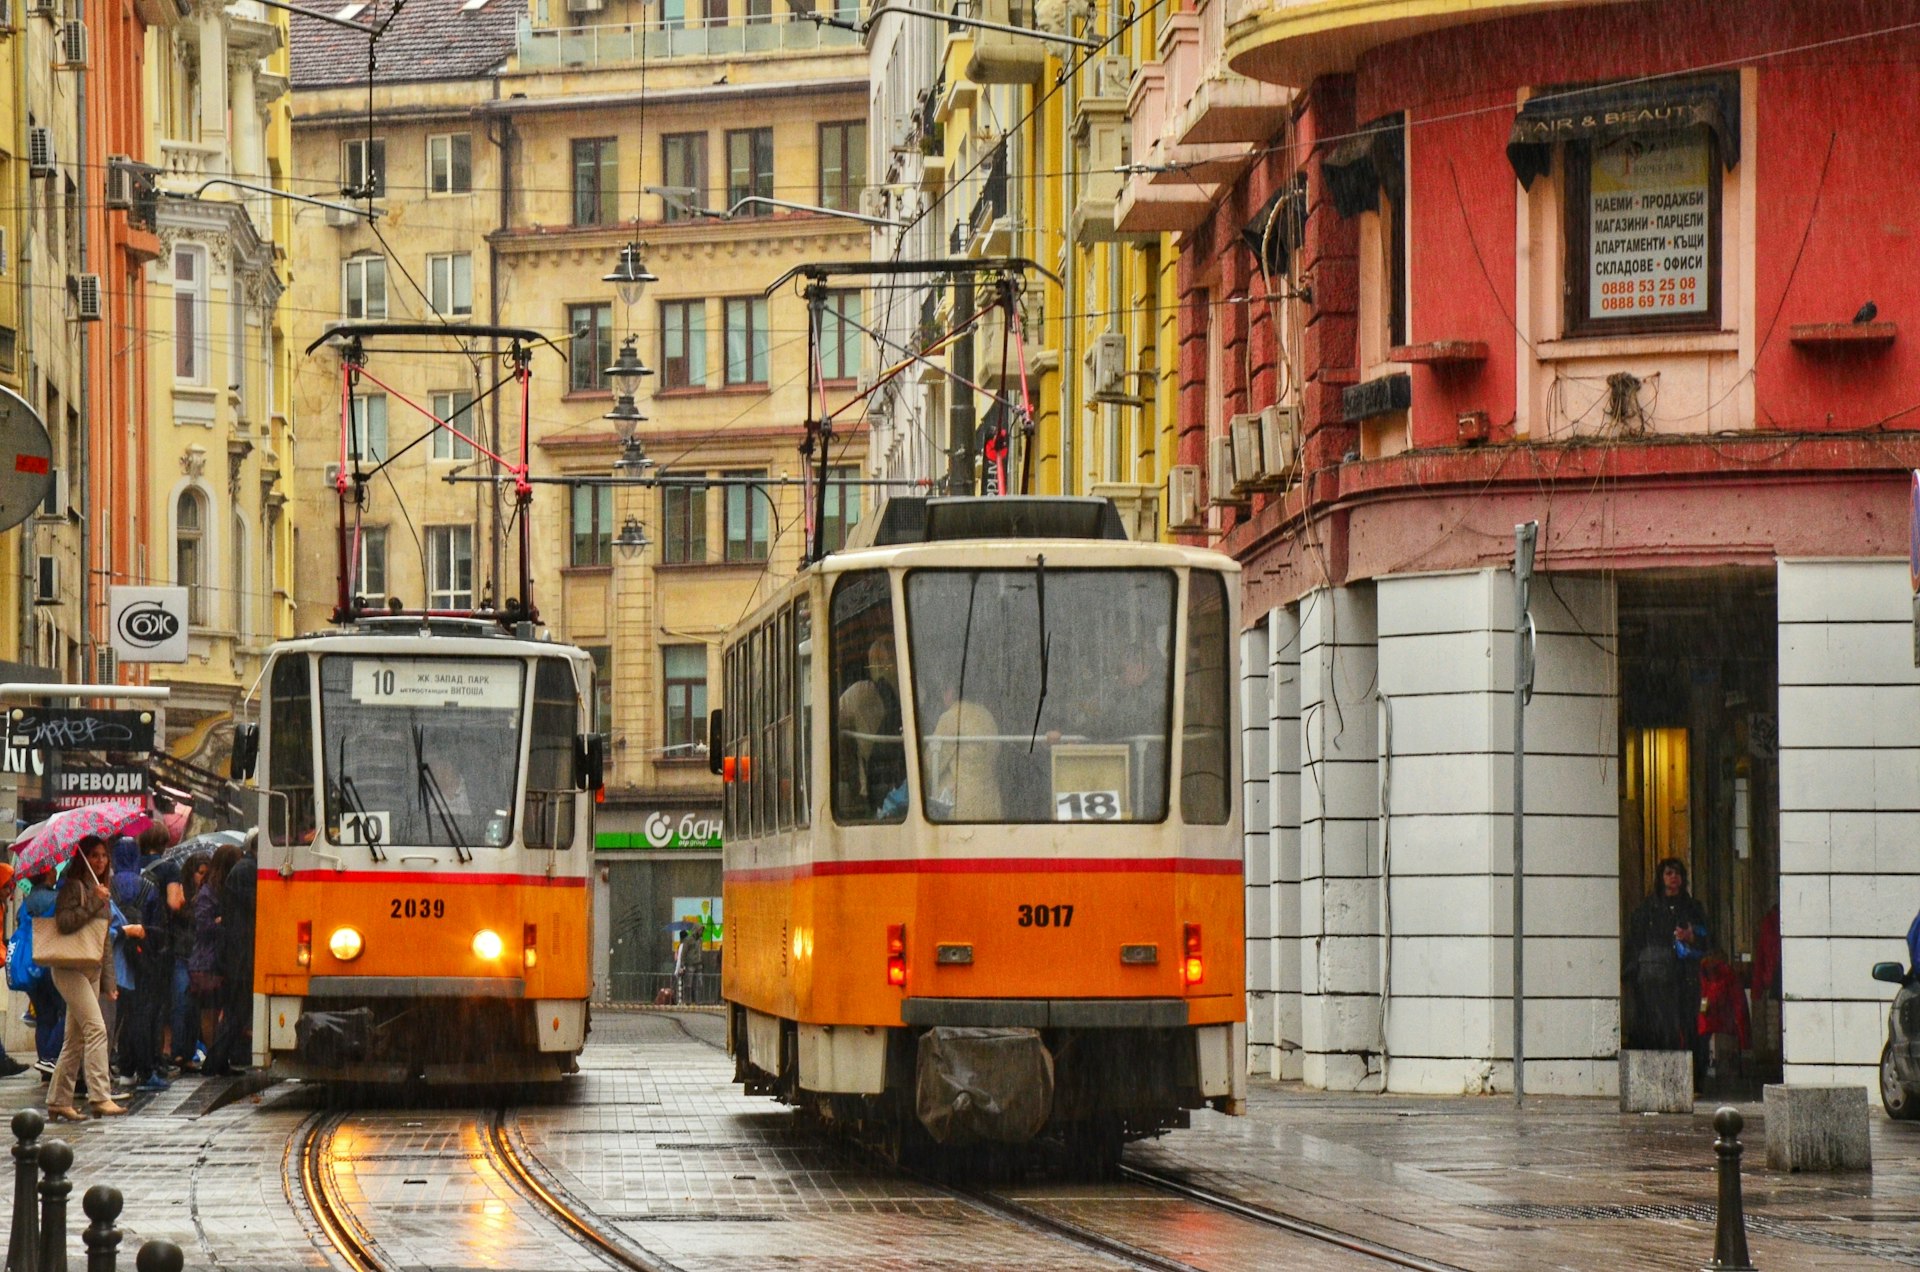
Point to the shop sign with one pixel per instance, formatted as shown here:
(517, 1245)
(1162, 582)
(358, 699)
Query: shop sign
(63, 729)
(89, 785)
(1647, 249)
(696, 831)
(1381, 396)
(148, 624)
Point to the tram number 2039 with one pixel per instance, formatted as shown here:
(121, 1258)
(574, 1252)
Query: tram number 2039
(1046, 916)
(417, 908)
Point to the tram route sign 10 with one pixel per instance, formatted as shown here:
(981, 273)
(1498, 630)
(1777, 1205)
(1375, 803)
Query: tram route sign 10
(148, 624)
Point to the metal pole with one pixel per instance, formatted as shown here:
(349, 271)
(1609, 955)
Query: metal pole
(1523, 541)
(30, 689)
(1730, 1223)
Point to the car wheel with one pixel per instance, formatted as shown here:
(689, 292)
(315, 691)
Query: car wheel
(1900, 1103)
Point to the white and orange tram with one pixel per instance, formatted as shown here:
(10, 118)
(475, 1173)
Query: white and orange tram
(423, 905)
(983, 852)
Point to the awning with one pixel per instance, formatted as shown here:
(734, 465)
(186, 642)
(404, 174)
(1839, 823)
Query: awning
(1275, 231)
(1619, 110)
(1372, 160)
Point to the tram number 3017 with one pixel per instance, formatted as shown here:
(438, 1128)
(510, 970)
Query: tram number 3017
(417, 908)
(1046, 916)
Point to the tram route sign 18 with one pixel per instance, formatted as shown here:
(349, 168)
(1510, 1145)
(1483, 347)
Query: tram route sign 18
(61, 729)
(148, 624)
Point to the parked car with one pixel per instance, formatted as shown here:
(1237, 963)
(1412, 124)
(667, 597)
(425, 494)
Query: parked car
(1900, 1058)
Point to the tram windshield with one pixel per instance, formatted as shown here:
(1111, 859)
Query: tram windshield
(421, 751)
(1041, 694)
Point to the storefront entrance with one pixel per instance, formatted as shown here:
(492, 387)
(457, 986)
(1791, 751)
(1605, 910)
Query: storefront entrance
(1699, 667)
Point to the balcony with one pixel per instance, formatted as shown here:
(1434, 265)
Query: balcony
(626, 44)
(1222, 107)
(186, 164)
(1147, 205)
(1292, 42)
(1000, 57)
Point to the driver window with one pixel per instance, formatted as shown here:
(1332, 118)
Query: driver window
(869, 754)
(550, 789)
(290, 752)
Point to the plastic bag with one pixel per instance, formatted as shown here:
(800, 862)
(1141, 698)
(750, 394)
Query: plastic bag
(23, 973)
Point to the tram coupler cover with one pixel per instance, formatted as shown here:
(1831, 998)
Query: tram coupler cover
(978, 1085)
(334, 1039)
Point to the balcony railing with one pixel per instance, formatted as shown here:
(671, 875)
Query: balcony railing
(559, 47)
(991, 206)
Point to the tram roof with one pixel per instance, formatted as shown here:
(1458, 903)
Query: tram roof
(440, 637)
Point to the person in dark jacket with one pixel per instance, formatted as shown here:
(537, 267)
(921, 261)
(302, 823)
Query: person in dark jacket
(143, 899)
(235, 961)
(49, 1009)
(184, 1019)
(203, 967)
(1666, 937)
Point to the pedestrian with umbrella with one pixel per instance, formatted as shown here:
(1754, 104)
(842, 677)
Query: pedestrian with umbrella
(73, 944)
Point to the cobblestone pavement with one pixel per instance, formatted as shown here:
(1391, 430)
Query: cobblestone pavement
(657, 1144)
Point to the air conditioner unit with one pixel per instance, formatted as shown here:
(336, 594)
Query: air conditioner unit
(1243, 435)
(73, 43)
(1107, 367)
(1279, 443)
(585, 6)
(40, 151)
(42, 8)
(86, 293)
(340, 217)
(1112, 78)
(1183, 498)
(333, 476)
(55, 504)
(1221, 487)
(46, 581)
(873, 201)
(119, 182)
(108, 666)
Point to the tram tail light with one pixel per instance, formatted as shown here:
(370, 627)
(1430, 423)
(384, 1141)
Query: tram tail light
(531, 955)
(303, 938)
(896, 954)
(1193, 968)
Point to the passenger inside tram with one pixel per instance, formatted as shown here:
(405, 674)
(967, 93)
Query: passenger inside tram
(871, 731)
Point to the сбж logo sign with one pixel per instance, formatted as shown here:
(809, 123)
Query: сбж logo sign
(148, 624)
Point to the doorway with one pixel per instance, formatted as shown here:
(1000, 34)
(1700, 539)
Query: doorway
(1699, 676)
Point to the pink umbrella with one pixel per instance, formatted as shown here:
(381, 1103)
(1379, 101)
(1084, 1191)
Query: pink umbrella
(53, 841)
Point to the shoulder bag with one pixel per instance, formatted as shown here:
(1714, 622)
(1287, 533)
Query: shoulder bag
(83, 948)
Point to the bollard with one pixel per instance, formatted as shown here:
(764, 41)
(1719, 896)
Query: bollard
(55, 1160)
(1730, 1228)
(23, 1242)
(159, 1256)
(102, 1239)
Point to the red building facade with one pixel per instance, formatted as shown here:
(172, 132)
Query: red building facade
(1648, 276)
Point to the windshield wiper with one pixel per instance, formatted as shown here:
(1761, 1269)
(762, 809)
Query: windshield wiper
(1046, 647)
(350, 795)
(436, 799)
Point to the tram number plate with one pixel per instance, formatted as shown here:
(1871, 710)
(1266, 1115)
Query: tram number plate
(1046, 916)
(1086, 806)
(417, 908)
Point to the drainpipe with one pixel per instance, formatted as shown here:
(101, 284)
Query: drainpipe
(502, 145)
(23, 345)
(85, 398)
(1072, 412)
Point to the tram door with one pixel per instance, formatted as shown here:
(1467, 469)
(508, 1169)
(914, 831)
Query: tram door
(1699, 675)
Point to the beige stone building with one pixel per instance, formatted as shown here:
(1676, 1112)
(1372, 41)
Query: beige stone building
(518, 156)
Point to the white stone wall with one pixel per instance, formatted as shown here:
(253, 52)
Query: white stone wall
(1339, 855)
(1258, 859)
(1849, 808)
(1283, 808)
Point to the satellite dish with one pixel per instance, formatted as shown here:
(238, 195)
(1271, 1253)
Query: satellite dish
(26, 459)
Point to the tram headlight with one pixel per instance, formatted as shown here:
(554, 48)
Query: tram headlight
(346, 944)
(487, 944)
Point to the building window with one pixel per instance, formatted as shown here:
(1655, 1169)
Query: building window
(450, 567)
(843, 164)
(840, 335)
(592, 328)
(1643, 233)
(369, 442)
(683, 164)
(746, 512)
(673, 14)
(683, 514)
(363, 287)
(450, 284)
(364, 163)
(683, 344)
(746, 340)
(685, 671)
(373, 565)
(237, 575)
(715, 11)
(592, 525)
(595, 185)
(602, 687)
(843, 508)
(456, 408)
(450, 163)
(190, 314)
(189, 553)
(750, 168)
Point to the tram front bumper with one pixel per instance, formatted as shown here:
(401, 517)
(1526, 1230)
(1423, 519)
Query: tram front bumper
(1047, 1013)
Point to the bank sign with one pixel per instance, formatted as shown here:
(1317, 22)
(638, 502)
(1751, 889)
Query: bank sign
(699, 832)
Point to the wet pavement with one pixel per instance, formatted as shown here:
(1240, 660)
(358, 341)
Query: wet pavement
(658, 1147)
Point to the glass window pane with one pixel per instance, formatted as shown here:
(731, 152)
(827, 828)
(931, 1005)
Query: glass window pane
(1205, 785)
(869, 754)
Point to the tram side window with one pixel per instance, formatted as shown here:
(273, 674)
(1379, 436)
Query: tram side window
(550, 788)
(780, 711)
(729, 740)
(756, 755)
(290, 753)
(802, 711)
(1205, 785)
(869, 753)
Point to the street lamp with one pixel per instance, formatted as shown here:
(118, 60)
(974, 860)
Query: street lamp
(631, 276)
(627, 370)
(632, 539)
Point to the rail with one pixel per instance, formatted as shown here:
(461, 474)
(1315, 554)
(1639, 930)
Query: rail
(629, 43)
